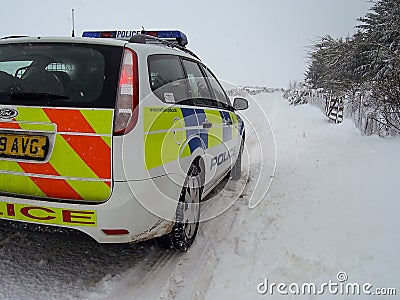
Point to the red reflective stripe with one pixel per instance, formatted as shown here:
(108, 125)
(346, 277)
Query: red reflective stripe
(46, 168)
(68, 120)
(51, 187)
(94, 152)
(54, 188)
(8, 125)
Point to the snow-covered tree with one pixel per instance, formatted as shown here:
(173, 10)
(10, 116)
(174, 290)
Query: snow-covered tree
(381, 32)
(366, 63)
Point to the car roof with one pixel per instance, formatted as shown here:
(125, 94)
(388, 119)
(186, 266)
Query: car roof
(148, 48)
(18, 40)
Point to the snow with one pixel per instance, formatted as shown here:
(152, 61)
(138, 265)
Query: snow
(330, 205)
(331, 208)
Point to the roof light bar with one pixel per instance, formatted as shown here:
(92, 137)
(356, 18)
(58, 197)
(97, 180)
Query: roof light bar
(99, 34)
(171, 35)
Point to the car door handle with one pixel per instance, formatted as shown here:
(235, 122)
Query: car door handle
(207, 124)
(228, 122)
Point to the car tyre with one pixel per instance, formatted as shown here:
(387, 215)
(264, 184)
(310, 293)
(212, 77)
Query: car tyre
(236, 171)
(187, 215)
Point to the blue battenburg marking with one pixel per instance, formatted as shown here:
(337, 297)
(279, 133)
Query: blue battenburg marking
(190, 118)
(227, 130)
(201, 117)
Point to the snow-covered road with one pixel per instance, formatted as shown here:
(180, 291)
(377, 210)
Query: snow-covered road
(332, 207)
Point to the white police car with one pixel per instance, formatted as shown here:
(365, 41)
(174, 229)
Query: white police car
(117, 134)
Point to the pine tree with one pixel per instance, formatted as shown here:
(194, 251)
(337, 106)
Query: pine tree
(368, 61)
(381, 29)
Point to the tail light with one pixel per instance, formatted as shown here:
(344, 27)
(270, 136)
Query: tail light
(127, 104)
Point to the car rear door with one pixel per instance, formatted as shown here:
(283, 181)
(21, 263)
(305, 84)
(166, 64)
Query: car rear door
(56, 120)
(215, 120)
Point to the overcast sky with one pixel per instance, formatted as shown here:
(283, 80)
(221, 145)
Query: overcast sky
(255, 42)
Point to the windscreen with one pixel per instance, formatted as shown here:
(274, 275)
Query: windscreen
(54, 74)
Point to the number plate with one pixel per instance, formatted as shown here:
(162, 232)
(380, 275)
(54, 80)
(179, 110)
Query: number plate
(21, 146)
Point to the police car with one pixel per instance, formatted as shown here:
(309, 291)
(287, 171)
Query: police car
(117, 134)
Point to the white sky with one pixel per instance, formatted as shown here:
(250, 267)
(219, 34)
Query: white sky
(255, 42)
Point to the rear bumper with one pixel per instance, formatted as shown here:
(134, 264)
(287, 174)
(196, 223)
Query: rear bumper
(142, 209)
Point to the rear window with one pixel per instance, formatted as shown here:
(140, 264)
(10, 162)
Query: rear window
(54, 74)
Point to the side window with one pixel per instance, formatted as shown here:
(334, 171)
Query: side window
(167, 79)
(14, 68)
(196, 81)
(219, 93)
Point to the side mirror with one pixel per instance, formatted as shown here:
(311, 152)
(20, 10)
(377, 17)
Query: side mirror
(240, 104)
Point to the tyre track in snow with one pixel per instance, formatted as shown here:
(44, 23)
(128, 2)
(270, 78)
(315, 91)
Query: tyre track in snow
(194, 274)
(178, 275)
(35, 265)
(53, 266)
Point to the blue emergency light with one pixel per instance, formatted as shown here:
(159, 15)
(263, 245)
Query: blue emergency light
(170, 35)
(99, 34)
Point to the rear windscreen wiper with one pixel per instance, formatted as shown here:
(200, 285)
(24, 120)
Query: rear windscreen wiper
(35, 96)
